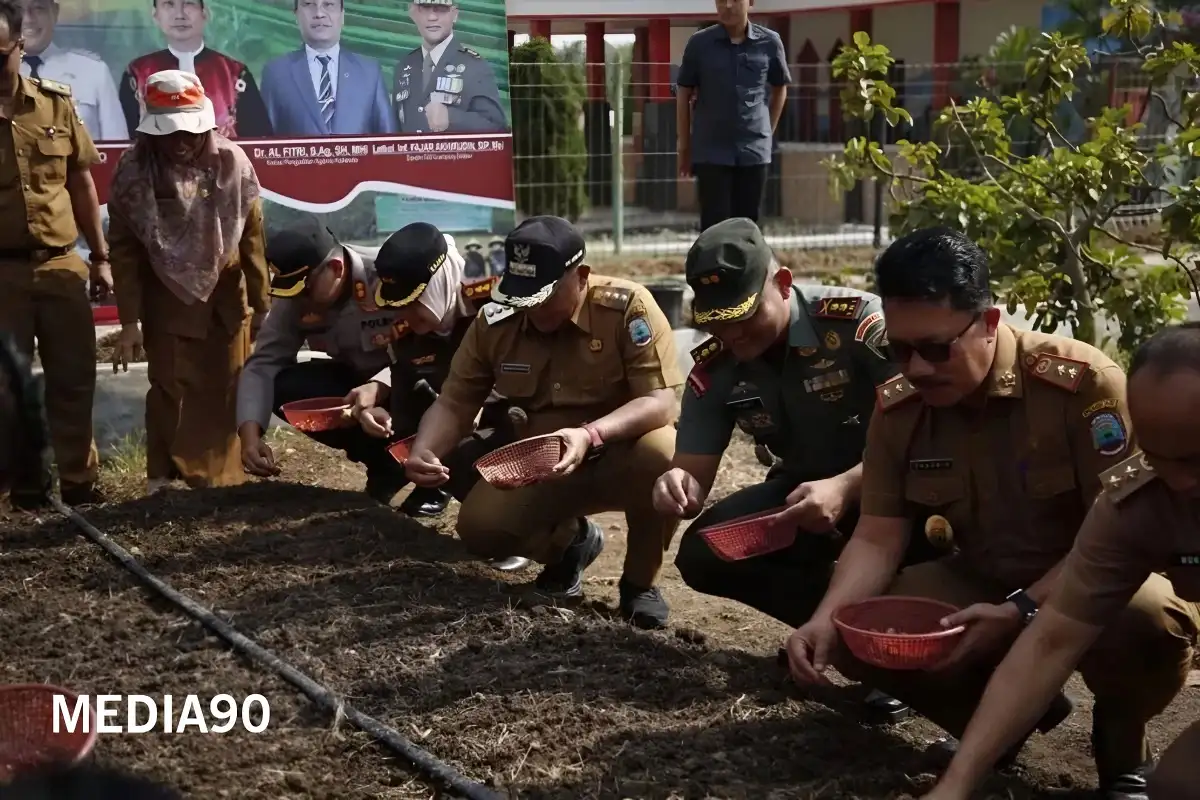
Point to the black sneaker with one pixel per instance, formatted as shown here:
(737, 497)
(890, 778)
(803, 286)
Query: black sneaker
(565, 578)
(645, 608)
(425, 502)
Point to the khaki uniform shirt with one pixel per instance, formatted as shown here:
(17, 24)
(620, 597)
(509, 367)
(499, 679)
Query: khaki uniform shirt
(356, 333)
(40, 146)
(1008, 483)
(809, 401)
(1138, 526)
(618, 346)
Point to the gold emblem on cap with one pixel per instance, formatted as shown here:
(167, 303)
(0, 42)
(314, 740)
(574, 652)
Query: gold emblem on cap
(938, 531)
(709, 279)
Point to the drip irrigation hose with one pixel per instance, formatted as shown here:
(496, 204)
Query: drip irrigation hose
(424, 762)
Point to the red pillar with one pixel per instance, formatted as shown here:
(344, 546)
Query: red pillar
(861, 19)
(946, 14)
(539, 29)
(594, 55)
(659, 57)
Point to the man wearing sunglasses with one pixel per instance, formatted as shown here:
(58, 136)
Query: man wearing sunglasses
(997, 438)
(795, 368)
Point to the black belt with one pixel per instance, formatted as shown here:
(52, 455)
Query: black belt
(40, 254)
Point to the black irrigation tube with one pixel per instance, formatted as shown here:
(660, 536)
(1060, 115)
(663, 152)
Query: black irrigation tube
(425, 762)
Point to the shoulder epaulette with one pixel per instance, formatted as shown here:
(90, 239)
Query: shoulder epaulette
(844, 308)
(494, 312)
(706, 351)
(54, 87)
(478, 289)
(893, 392)
(1127, 477)
(611, 297)
(469, 51)
(1065, 373)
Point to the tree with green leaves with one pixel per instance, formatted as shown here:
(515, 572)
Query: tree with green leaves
(550, 155)
(1047, 213)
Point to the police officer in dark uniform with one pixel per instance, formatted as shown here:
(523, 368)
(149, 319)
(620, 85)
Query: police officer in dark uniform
(795, 368)
(324, 293)
(422, 280)
(443, 86)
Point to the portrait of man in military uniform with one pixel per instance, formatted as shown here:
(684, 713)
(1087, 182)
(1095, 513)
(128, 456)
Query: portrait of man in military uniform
(227, 81)
(443, 86)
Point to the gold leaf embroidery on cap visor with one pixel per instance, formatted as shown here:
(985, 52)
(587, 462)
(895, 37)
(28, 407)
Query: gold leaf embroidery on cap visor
(726, 314)
(413, 295)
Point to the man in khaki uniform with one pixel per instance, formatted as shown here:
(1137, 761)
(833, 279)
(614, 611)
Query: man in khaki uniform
(47, 198)
(993, 442)
(587, 357)
(1146, 521)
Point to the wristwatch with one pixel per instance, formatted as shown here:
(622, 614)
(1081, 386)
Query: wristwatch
(1025, 605)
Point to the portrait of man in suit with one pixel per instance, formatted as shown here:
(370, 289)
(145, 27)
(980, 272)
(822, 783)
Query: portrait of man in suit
(227, 81)
(443, 86)
(322, 88)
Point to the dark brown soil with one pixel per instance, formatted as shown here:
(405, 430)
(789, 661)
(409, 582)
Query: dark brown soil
(547, 703)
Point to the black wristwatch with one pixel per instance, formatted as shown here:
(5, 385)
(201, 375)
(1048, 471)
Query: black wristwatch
(1025, 605)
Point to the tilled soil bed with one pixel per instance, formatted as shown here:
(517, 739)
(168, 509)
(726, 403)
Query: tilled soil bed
(540, 702)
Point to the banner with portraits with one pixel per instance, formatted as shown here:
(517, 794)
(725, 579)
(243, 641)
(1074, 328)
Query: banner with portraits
(372, 113)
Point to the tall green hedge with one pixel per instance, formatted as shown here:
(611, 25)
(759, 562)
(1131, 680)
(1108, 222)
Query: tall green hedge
(550, 154)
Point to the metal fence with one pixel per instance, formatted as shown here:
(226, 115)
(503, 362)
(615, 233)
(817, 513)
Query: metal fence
(618, 161)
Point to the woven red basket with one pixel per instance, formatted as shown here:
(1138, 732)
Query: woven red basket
(898, 632)
(521, 463)
(27, 737)
(748, 536)
(318, 414)
(402, 449)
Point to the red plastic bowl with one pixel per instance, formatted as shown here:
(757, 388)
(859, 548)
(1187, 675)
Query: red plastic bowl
(402, 449)
(318, 414)
(522, 463)
(898, 632)
(27, 737)
(748, 536)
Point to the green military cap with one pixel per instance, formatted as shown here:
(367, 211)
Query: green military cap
(727, 268)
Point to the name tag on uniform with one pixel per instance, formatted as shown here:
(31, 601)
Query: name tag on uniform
(521, 369)
(1185, 560)
(745, 403)
(930, 464)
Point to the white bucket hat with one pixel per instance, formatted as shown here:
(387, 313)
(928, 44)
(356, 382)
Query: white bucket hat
(175, 101)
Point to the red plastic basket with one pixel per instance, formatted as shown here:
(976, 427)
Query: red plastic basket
(318, 414)
(522, 463)
(749, 536)
(898, 632)
(27, 737)
(402, 449)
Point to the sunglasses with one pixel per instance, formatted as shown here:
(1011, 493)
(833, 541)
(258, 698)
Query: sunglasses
(931, 352)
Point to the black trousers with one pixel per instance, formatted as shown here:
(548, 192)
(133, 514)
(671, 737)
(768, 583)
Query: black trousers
(323, 377)
(787, 585)
(726, 192)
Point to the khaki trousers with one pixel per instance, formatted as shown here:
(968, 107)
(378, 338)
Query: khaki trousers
(538, 522)
(50, 301)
